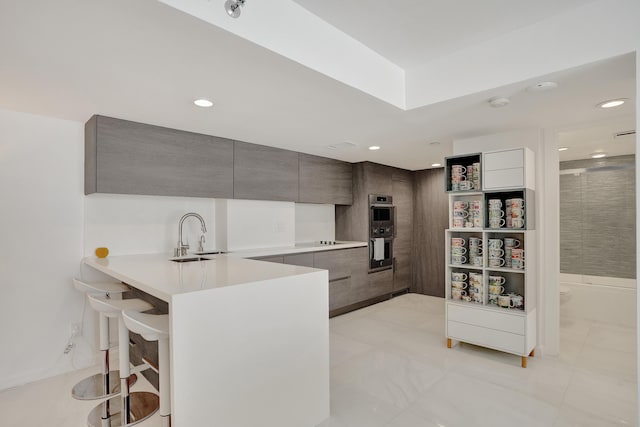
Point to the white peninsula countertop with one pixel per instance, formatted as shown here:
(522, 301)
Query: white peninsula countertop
(249, 339)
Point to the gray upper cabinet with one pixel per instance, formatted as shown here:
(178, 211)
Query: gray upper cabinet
(265, 173)
(126, 157)
(324, 180)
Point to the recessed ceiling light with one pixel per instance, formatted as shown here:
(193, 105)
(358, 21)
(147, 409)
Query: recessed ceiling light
(205, 103)
(374, 147)
(542, 87)
(435, 165)
(598, 155)
(563, 148)
(612, 103)
(499, 101)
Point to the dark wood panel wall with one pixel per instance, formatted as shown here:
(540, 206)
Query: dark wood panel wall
(430, 219)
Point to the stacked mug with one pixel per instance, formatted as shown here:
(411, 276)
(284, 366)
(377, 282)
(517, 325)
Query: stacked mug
(496, 214)
(473, 175)
(460, 213)
(458, 251)
(511, 300)
(509, 245)
(496, 288)
(475, 213)
(496, 253)
(517, 258)
(458, 285)
(514, 213)
(459, 180)
(475, 288)
(475, 251)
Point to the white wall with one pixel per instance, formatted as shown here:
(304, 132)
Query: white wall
(547, 221)
(315, 222)
(41, 185)
(128, 224)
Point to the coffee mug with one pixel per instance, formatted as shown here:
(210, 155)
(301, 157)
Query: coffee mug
(476, 204)
(517, 301)
(497, 280)
(460, 204)
(459, 285)
(476, 297)
(458, 276)
(517, 212)
(493, 298)
(468, 224)
(457, 241)
(517, 222)
(476, 289)
(466, 298)
(496, 253)
(511, 243)
(475, 241)
(517, 263)
(466, 185)
(504, 301)
(458, 259)
(495, 203)
(495, 243)
(477, 222)
(496, 223)
(458, 169)
(517, 203)
(455, 186)
(458, 293)
(460, 213)
(458, 250)
(458, 222)
(496, 289)
(517, 253)
(497, 262)
(477, 261)
(496, 213)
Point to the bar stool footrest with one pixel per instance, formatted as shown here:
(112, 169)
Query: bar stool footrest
(143, 406)
(92, 388)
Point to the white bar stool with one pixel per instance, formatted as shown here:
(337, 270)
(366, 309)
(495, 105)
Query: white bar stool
(155, 327)
(106, 383)
(130, 408)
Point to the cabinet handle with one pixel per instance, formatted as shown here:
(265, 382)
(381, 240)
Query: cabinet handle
(339, 278)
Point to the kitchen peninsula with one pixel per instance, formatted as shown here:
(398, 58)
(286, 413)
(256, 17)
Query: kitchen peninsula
(249, 339)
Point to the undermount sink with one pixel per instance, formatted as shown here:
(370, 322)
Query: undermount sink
(209, 253)
(190, 259)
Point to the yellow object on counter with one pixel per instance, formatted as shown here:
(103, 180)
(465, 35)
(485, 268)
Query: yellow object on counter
(102, 252)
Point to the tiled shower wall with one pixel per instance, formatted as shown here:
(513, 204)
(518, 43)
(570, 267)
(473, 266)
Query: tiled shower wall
(597, 217)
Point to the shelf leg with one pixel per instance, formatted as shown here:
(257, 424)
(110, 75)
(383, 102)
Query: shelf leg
(533, 352)
(524, 361)
(448, 342)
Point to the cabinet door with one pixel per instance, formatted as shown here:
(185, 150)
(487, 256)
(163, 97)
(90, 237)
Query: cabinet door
(303, 260)
(325, 180)
(402, 192)
(377, 178)
(264, 173)
(278, 259)
(347, 275)
(126, 157)
(379, 283)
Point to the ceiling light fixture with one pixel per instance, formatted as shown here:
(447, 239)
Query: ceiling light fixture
(598, 155)
(435, 165)
(563, 148)
(233, 7)
(612, 103)
(205, 103)
(499, 101)
(542, 87)
(374, 147)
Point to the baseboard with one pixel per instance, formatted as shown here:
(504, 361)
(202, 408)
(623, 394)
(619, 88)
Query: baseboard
(598, 280)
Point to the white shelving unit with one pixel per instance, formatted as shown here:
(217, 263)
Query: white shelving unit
(511, 330)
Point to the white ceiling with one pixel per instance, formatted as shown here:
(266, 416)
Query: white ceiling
(145, 61)
(412, 32)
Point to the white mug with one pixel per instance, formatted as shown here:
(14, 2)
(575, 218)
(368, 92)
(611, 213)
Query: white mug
(517, 222)
(495, 243)
(497, 262)
(459, 276)
(496, 253)
(511, 243)
(457, 241)
(497, 280)
(496, 223)
(496, 289)
(459, 250)
(458, 259)
(459, 285)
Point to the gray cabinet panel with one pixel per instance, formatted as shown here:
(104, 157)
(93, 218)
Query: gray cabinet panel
(136, 158)
(379, 283)
(378, 178)
(431, 218)
(264, 173)
(347, 275)
(303, 260)
(325, 180)
(402, 192)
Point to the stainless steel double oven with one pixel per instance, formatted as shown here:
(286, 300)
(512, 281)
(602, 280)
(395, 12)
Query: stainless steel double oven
(381, 232)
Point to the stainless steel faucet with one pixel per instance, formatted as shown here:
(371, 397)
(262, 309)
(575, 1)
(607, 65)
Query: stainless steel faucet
(181, 250)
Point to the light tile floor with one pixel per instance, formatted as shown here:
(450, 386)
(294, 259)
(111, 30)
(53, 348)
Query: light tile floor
(390, 367)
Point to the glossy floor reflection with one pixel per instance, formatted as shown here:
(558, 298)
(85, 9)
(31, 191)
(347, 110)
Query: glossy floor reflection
(390, 367)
